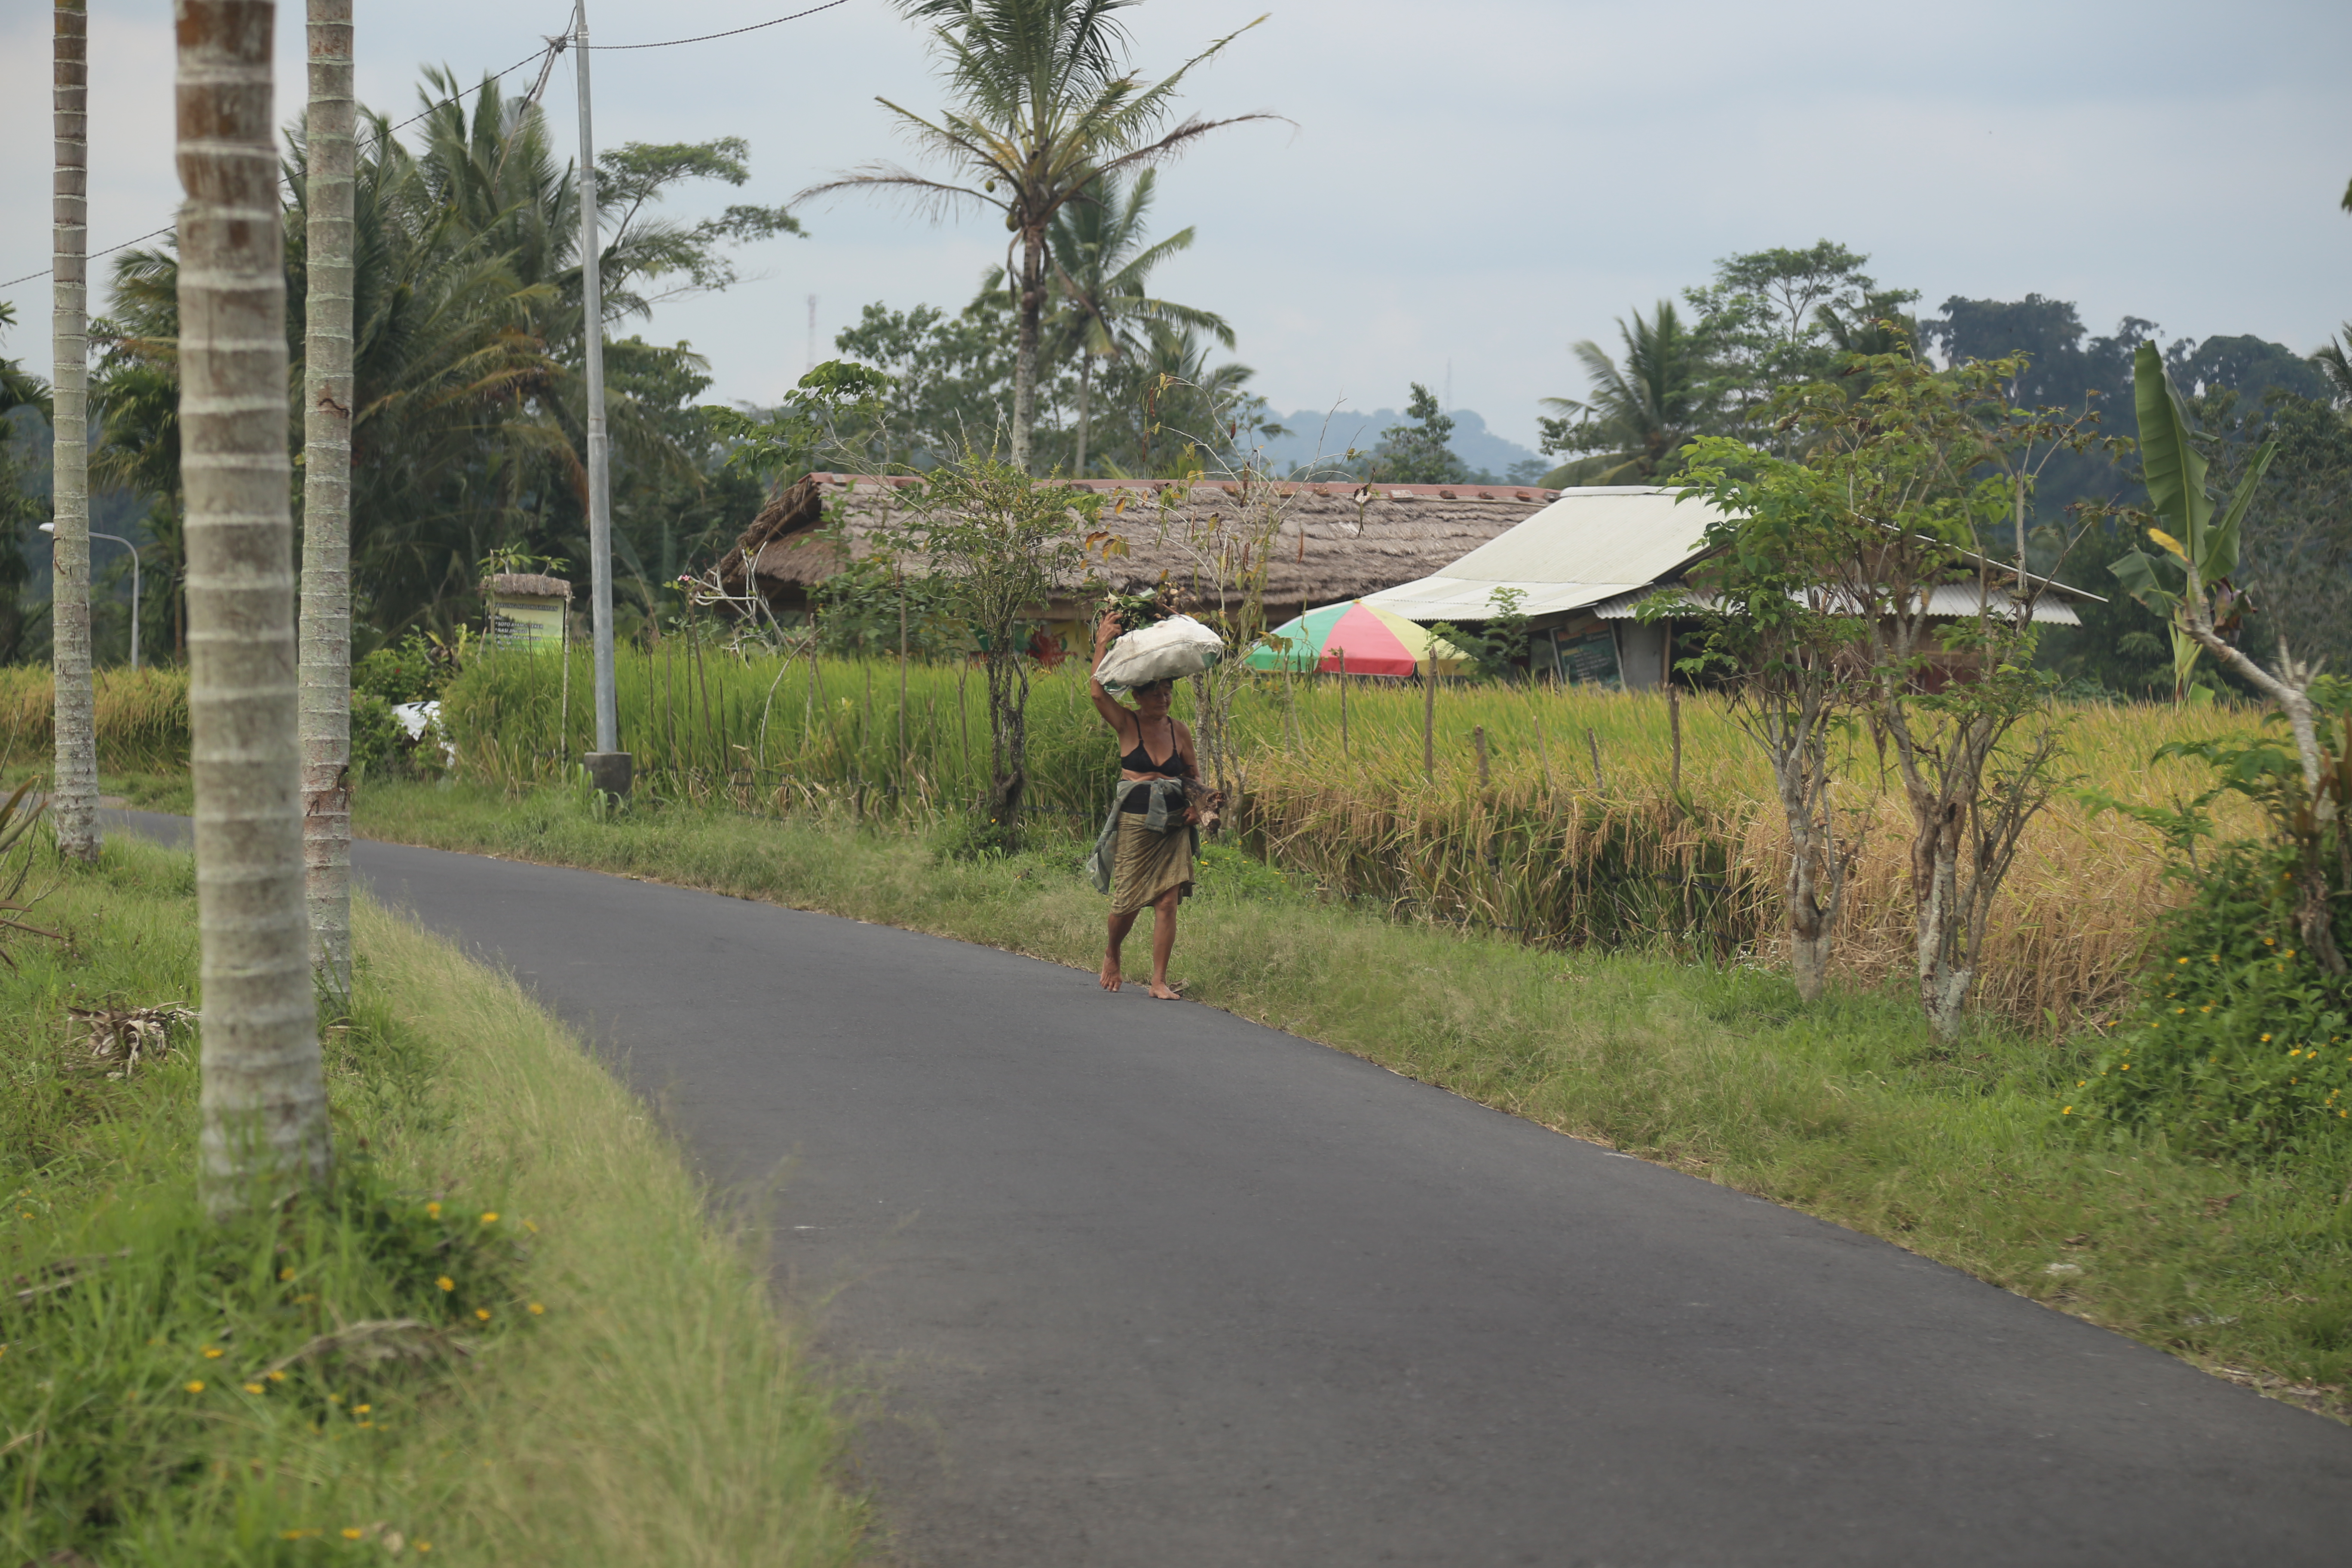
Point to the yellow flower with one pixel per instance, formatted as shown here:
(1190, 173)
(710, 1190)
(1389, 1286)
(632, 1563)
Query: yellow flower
(530, 1228)
(255, 1388)
(483, 1313)
(353, 1532)
(361, 1409)
(2068, 1111)
(295, 1534)
(537, 1310)
(2266, 1039)
(491, 1217)
(2180, 1009)
(213, 1352)
(424, 1546)
(277, 1378)
(2269, 942)
(433, 1211)
(195, 1387)
(447, 1283)
(2126, 1066)
(2184, 961)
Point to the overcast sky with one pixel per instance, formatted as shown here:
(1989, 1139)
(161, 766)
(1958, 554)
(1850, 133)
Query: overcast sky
(1476, 184)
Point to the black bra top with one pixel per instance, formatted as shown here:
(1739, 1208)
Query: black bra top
(1140, 760)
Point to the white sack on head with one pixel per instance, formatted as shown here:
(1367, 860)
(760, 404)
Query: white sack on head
(1163, 650)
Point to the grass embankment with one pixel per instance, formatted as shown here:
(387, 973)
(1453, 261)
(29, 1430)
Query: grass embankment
(1574, 834)
(1841, 1108)
(596, 1378)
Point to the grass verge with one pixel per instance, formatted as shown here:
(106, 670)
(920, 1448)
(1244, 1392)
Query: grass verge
(1843, 1109)
(591, 1375)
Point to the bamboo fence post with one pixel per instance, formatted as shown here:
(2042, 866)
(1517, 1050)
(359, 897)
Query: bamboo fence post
(1592, 739)
(1478, 740)
(1429, 723)
(808, 709)
(1543, 752)
(1674, 723)
(900, 573)
(1343, 704)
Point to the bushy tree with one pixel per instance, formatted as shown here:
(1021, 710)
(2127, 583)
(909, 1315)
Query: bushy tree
(1417, 454)
(20, 512)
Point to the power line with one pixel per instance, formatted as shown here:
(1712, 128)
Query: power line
(731, 32)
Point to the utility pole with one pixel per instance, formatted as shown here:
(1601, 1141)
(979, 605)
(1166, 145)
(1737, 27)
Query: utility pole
(608, 766)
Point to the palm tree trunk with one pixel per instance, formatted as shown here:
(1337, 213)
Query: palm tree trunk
(326, 631)
(264, 1101)
(1086, 368)
(73, 806)
(1024, 355)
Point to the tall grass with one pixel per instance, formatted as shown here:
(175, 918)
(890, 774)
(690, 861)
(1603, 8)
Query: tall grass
(143, 718)
(1580, 831)
(630, 1397)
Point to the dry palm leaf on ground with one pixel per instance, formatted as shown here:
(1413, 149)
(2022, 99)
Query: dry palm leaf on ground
(126, 1036)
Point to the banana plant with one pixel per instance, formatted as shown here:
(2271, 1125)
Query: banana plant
(2189, 583)
(2202, 554)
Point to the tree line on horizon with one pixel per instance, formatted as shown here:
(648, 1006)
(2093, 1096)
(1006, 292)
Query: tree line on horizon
(468, 426)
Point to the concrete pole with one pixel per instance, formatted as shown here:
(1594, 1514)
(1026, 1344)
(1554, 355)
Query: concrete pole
(608, 766)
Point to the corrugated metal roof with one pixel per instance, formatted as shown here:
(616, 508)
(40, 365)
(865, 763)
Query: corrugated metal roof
(1955, 601)
(1591, 544)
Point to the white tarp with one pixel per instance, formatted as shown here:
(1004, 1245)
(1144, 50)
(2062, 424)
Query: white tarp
(1591, 544)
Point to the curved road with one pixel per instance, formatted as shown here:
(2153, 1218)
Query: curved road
(1138, 1284)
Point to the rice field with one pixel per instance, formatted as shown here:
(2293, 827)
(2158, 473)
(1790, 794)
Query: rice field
(143, 718)
(1581, 828)
(1573, 831)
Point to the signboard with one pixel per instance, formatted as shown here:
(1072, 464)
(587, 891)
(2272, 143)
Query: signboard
(1589, 658)
(526, 622)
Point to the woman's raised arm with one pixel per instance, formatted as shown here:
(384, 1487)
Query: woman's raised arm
(1114, 712)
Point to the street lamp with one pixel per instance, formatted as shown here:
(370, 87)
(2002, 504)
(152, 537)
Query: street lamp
(51, 528)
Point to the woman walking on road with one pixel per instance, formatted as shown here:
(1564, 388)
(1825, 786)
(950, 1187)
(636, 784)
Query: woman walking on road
(1144, 857)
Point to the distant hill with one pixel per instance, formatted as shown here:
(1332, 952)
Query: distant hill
(1311, 437)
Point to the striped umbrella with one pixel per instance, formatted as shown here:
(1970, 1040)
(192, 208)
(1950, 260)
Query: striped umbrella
(1374, 642)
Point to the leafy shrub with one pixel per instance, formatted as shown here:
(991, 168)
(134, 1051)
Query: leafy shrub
(2237, 1041)
(2240, 1038)
(416, 669)
(380, 741)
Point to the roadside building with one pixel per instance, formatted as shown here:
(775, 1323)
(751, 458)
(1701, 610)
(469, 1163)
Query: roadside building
(1316, 542)
(1582, 565)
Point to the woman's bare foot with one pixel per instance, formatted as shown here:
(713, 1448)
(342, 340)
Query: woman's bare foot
(1109, 975)
(1162, 991)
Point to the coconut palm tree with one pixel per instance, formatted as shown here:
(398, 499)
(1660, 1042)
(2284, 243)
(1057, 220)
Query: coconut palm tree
(73, 806)
(2335, 362)
(1638, 414)
(264, 1101)
(1102, 273)
(1044, 105)
(325, 675)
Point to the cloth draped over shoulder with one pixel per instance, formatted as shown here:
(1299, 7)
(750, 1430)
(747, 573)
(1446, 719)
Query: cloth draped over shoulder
(1162, 825)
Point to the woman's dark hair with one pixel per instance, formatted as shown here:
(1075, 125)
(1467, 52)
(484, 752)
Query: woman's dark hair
(1168, 686)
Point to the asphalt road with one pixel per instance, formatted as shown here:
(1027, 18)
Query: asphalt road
(1137, 1283)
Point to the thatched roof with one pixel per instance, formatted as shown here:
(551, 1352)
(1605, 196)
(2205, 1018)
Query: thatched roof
(527, 585)
(1337, 540)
